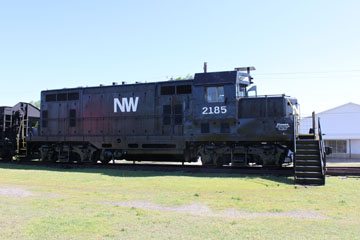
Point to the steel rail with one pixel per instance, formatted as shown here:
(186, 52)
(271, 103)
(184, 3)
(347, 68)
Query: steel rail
(192, 169)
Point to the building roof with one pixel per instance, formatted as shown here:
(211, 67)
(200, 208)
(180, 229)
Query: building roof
(345, 108)
(341, 122)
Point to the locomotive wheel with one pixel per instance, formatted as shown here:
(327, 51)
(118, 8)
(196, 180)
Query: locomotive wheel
(7, 156)
(219, 162)
(54, 157)
(105, 161)
(216, 161)
(207, 161)
(74, 157)
(95, 157)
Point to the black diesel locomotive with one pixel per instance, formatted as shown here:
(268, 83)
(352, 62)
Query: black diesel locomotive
(211, 116)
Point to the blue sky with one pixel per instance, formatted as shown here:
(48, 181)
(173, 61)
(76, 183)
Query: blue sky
(306, 49)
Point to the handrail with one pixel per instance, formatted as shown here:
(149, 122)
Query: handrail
(20, 135)
(295, 136)
(322, 150)
(314, 124)
(265, 96)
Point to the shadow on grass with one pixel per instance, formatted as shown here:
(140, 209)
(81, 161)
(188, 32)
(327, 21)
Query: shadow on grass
(128, 170)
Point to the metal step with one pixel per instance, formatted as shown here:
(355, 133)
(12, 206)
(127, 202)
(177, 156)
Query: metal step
(307, 141)
(307, 147)
(308, 174)
(307, 157)
(311, 151)
(306, 136)
(310, 181)
(310, 168)
(308, 162)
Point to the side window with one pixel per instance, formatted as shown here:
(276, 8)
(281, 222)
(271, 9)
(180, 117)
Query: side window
(73, 96)
(62, 97)
(167, 90)
(240, 91)
(183, 89)
(50, 98)
(214, 94)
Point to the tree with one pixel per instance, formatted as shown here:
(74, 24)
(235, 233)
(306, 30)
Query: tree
(188, 76)
(35, 103)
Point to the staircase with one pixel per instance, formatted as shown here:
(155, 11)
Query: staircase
(308, 166)
(309, 155)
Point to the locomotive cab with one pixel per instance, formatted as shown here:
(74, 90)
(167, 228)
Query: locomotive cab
(233, 127)
(216, 97)
(214, 104)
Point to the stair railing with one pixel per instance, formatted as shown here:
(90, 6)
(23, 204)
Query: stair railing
(314, 124)
(322, 150)
(20, 138)
(295, 120)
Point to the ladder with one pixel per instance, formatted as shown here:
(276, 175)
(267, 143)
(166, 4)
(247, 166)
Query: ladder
(23, 131)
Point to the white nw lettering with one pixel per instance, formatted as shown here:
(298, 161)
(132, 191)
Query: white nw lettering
(126, 105)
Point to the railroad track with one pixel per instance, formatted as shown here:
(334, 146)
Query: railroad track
(156, 167)
(343, 171)
(285, 171)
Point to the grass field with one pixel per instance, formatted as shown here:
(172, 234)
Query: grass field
(44, 203)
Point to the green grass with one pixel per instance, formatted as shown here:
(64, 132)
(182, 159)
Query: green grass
(87, 204)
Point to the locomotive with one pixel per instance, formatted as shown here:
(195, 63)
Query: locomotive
(216, 117)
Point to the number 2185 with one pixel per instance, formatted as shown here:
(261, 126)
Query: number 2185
(214, 110)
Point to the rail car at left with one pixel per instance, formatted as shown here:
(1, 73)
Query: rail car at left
(16, 124)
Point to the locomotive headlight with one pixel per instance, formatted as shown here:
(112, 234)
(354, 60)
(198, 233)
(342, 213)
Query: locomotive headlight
(244, 78)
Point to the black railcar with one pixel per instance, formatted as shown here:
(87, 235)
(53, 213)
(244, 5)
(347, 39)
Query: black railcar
(16, 123)
(211, 116)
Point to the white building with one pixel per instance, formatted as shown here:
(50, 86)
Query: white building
(341, 126)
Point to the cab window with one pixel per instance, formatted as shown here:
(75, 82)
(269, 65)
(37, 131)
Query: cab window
(214, 94)
(240, 91)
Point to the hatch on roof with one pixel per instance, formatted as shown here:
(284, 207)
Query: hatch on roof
(215, 78)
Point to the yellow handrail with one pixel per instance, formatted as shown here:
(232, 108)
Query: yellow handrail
(21, 127)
